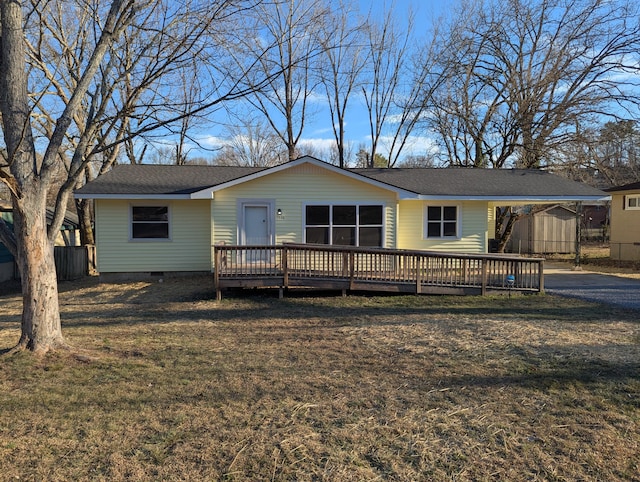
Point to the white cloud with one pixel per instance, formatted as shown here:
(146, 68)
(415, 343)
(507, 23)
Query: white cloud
(212, 142)
(318, 143)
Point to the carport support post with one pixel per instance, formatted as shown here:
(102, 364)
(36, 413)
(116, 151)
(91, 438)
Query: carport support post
(578, 235)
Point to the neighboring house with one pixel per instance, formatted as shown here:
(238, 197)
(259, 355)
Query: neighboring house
(625, 222)
(157, 219)
(550, 230)
(68, 236)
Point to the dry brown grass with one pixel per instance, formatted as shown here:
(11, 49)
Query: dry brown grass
(179, 387)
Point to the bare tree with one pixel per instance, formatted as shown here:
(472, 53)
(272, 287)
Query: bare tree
(251, 143)
(522, 74)
(29, 176)
(415, 161)
(469, 113)
(606, 156)
(387, 53)
(340, 69)
(78, 116)
(399, 83)
(284, 101)
(149, 76)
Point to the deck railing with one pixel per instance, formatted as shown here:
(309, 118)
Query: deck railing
(344, 267)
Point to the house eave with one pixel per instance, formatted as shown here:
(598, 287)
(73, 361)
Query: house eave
(134, 196)
(516, 199)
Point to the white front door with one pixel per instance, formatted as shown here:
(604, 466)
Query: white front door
(256, 230)
(256, 225)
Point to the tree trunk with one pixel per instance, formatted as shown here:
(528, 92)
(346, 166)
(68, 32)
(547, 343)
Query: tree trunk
(505, 222)
(83, 208)
(41, 328)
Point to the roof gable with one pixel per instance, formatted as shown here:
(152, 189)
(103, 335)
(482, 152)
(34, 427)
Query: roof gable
(207, 193)
(148, 181)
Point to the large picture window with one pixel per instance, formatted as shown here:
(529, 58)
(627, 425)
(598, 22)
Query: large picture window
(149, 222)
(441, 222)
(344, 224)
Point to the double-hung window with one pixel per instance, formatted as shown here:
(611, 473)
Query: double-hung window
(441, 222)
(149, 222)
(344, 224)
(632, 202)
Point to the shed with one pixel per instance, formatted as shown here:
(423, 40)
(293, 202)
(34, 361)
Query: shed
(551, 230)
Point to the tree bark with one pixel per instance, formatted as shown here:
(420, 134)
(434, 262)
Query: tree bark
(41, 328)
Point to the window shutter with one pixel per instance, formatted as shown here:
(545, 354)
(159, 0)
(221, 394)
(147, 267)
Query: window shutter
(624, 202)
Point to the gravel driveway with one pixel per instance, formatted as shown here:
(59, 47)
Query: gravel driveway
(562, 280)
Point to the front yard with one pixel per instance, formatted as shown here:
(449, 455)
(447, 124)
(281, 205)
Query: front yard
(168, 384)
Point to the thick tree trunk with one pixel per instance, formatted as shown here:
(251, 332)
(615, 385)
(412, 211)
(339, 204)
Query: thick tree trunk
(41, 328)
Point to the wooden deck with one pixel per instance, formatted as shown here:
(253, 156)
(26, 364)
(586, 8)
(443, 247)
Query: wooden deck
(350, 268)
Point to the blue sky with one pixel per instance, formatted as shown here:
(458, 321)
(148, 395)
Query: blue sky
(317, 132)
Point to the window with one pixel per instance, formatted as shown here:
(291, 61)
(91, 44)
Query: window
(633, 202)
(441, 222)
(344, 224)
(149, 222)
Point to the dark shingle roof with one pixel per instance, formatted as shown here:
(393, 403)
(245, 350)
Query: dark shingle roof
(147, 180)
(480, 182)
(627, 187)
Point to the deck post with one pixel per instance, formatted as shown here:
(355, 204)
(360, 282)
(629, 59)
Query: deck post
(285, 267)
(465, 271)
(345, 264)
(541, 276)
(484, 277)
(352, 267)
(216, 273)
(418, 274)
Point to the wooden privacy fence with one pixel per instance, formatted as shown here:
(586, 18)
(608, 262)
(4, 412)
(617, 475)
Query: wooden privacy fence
(73, 262)
(373, 269)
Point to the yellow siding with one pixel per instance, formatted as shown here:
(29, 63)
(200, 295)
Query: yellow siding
(625, 229)
(291, 189)
(474, 228)
(491, 220)
(197, 224)
(188, 250)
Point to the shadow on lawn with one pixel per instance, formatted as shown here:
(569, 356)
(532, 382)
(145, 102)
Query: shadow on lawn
(260, 308)
(149, 303)
(617, 380)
